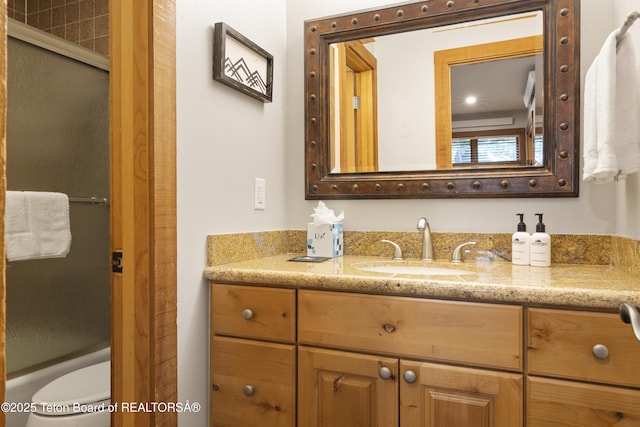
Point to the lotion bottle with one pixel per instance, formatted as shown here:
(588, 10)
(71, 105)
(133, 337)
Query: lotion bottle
(540, 245)
(520, 244)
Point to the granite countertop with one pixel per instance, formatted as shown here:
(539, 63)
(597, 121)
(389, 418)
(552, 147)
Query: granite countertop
(565, 285)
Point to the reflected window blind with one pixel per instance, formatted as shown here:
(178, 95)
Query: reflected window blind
(485, 150)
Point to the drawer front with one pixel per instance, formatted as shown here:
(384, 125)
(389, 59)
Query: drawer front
(479, 334)
(560, 343)
(252, 383)
(253, 312)
(572, 404)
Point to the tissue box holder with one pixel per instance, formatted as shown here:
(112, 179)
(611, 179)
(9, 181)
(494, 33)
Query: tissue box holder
(324, 240)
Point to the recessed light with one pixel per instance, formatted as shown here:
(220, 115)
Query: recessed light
(470, 99)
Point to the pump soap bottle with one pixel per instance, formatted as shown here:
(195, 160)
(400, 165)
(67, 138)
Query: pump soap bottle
(520, 244)
(540, 245)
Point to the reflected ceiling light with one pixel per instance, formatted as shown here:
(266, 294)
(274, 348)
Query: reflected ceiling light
(470, 99)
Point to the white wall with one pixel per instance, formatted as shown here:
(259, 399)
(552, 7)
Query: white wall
(225, 139)
(592, 212)
(628, 191)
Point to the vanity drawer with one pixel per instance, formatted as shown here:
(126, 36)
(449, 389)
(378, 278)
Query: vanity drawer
(253, 312)
(252, 383)
(552, 402)
(471, 333)
(561, 343)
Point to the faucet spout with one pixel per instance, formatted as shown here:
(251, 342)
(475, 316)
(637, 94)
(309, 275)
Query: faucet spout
(427, 244)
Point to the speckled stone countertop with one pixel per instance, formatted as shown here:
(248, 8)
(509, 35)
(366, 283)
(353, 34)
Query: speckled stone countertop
(564, 285)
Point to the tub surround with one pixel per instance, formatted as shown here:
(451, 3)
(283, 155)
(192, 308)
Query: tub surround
(594, 281)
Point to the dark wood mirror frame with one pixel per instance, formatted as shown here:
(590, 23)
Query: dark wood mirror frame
(558, 178)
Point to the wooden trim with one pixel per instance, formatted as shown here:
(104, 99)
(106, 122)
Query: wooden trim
(164, 243)
(445, 59)
(3, 188)
(143, 211)
(357, 74)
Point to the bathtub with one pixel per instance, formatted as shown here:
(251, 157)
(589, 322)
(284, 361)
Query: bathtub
(20, 389)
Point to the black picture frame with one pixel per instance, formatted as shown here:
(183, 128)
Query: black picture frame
(241, 64)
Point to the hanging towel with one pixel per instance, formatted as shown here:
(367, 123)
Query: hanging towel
(611, 111)
(627, 108)
(36, 225)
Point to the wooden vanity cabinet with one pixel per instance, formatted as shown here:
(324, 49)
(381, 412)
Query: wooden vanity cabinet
(583, 370)
(253, 356)
(287, 357)
(352, 386)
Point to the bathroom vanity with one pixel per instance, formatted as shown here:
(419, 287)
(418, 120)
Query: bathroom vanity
(336, 344)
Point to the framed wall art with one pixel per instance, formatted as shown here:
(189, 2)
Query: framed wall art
(241, 64)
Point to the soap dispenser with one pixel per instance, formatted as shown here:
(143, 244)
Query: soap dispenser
(520, 244)
(540, 245)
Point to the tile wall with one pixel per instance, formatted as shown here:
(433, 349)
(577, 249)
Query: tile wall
(84, 22)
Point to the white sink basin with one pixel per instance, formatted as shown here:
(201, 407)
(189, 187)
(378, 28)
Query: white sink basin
(414, 270)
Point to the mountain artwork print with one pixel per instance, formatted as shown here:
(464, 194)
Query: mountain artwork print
(242, 64)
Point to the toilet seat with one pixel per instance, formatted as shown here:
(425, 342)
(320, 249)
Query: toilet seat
(72, 393)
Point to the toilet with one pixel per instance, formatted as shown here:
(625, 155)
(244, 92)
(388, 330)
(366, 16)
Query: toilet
(78, 399)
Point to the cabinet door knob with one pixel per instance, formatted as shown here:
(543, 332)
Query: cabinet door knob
(385, 373)
(247, 314)
(600, 351)
(247, 390)
(410, 377)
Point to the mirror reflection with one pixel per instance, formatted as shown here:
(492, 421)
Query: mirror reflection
(480, 81)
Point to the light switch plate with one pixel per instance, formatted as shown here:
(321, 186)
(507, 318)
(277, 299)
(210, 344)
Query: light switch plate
(260, 194)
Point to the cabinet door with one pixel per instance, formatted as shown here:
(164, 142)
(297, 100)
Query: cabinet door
(433, 395)
(573, 404)
(252, 383)
(340, 389)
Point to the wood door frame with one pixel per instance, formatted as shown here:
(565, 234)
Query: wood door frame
(445, 59)
(3, 189)
(143, 207)
(355, 62)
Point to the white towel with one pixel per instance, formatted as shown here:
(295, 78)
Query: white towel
(36, 225)
(627, 108)
(611, 111)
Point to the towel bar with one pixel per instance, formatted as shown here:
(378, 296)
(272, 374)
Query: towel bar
(629, 22)
(92, 200)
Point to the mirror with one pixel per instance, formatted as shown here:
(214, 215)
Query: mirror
(385, 116)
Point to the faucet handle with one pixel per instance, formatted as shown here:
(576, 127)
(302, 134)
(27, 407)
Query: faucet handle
(456, 255)
(397, 252)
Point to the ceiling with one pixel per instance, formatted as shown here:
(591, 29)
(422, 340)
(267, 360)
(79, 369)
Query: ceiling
(498, 86)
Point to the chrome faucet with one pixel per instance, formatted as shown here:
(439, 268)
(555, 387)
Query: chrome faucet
(427, 244)
(397, 252)
(456, 255)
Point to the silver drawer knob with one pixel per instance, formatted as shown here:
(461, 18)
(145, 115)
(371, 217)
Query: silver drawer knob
(247, 390)
(385, 373)
(410, 377)
(247, 314)
(600, 351)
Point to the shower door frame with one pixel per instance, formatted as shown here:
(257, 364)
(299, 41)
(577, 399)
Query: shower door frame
(143, 207)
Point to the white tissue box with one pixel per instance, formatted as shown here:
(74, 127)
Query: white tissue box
(325, 240)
